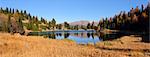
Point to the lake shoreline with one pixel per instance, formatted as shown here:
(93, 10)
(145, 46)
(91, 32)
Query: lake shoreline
(32, 46)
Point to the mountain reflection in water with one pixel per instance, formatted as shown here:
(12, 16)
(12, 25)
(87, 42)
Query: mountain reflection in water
(80, 37)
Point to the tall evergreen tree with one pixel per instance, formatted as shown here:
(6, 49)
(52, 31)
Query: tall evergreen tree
(1, 9)
(49, 25)
(10, 28)
(88, 26)
(7, 10)
(25, 12)
(29, 16)
(17, 11)
(66, 25)
(76, 27)
(92, 26)
(43, 20)
(53, 23)
(20, 24)
(59, 26)
(21, 12)
(13, 11)
(10, 11)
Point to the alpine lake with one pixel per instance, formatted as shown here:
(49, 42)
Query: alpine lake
(79, 36)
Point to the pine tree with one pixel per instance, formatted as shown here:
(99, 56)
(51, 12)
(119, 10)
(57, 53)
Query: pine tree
(17, 11)
(66, 25)
(88, 26)
(10, 10)
(21, 12)
(13, 11)
(33, 19)
(142, 7)
(76, 27)
(9, 24)
(92, 26)
(25, 12)
(59, 26)
(43, 20)
(53, 23)
(29, 16)
(7, 10)
(36, 19)
(20, 24)
(49, 25)
(1, 10)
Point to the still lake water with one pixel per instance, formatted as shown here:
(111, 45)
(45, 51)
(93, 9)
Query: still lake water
(79, 36)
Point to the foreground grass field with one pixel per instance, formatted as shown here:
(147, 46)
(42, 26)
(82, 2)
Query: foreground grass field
(36, 46)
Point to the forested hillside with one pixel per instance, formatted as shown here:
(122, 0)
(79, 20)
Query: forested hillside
(135, 20)
(15, 21)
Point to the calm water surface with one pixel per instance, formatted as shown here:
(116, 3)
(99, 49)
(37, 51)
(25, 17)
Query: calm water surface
(79, 36)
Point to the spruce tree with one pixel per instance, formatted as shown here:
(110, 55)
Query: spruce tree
(13, 11)
(9, 24)
(17, 11)
(92, 26)
(1, 10)
(88, 26)
(7, 10)
(29, 16)
(66, 25)
(20, 24)
(25, 12)
(10, 11)
(53, 23)
(21, 12)
(49, 25)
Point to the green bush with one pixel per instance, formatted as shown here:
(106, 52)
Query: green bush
(31, 26)
(43, 27)
(35, 28)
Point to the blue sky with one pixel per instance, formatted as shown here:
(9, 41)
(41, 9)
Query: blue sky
(73, 10)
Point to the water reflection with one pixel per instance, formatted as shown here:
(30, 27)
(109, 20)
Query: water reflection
(88, 35)
(52, 35)
(66, 35)
(81, 37)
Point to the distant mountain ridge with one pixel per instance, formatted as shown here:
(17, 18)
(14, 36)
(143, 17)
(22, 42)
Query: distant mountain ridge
(82, 22)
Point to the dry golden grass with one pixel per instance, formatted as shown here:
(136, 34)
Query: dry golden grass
(130, 44)
(36, 46)
(126, 42)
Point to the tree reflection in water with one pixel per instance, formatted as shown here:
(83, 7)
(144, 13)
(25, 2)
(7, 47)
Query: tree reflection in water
(76, 34)
(60, 34)
(96, 36)
(66, 35)
(88, 35)
(52, 35)
(92, 34)
(111, 36)
(57, 34)
(81, 34)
